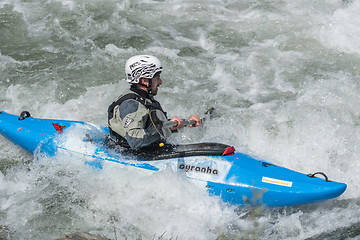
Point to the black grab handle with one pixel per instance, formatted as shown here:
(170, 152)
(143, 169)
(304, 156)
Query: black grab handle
(312, 175)
(23, 115)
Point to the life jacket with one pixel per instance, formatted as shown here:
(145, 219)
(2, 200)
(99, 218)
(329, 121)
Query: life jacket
(134, 94)
(150, 104)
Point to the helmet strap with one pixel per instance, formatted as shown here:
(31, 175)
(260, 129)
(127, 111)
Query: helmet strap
(148, 88)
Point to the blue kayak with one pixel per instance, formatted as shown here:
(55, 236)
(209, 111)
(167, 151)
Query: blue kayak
(236, 177)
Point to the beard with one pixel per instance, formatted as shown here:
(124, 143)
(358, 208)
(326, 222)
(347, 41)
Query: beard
(154, 90)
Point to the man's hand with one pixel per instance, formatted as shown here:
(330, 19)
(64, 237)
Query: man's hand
(178, 121)
(196, 119)
(180, 124)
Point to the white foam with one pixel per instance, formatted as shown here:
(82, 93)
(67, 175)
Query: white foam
(282, 75)
(341, 29)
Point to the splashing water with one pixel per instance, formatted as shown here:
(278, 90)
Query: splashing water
(284, 77)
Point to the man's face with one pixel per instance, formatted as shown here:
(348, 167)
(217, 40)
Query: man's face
(156, 82)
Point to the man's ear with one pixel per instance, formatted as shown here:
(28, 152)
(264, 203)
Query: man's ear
(144, 81)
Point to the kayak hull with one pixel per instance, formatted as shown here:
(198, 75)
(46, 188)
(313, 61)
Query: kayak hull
(238, 178)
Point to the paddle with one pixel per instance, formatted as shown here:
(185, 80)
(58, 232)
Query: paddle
(162, 125)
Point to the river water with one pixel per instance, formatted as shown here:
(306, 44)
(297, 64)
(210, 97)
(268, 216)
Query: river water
(283, 76)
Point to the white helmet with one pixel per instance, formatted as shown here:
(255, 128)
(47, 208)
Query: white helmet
(141, 66)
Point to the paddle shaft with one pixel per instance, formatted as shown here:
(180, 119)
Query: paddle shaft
(185, 123)
(190, 122)
(166, 125)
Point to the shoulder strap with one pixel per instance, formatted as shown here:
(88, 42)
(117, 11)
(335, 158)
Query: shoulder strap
(149, 104)
(122, 99)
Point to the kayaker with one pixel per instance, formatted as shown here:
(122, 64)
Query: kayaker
(128, 117)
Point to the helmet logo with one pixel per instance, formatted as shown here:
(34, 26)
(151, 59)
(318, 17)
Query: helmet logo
(132, 66)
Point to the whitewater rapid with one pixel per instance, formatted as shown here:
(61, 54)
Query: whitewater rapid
(283, 76)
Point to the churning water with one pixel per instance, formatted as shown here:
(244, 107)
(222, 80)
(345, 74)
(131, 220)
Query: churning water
(283, 76)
